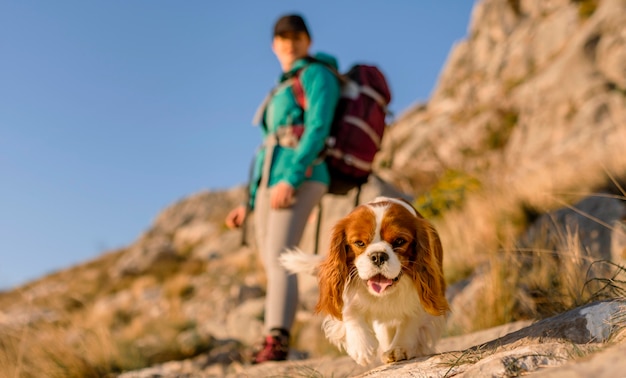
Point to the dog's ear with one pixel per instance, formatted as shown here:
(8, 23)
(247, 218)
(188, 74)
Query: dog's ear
(428, 272)
(333, 274)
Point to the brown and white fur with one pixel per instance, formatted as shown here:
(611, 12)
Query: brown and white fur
(381, 284)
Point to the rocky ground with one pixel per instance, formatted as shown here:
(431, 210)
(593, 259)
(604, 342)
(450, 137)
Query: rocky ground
(586, 342)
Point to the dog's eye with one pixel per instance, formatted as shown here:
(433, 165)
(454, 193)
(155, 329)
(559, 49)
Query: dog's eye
(398, 243)
(359, 244)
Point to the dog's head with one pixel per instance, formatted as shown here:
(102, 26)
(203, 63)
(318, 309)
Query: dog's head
(378, 244)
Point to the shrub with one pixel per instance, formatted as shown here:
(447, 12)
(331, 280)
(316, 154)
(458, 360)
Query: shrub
(448, 193)
(586, 8)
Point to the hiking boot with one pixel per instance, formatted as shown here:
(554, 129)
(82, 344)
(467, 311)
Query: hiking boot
(275, 347)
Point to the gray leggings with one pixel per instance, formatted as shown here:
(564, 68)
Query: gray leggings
(276, 231)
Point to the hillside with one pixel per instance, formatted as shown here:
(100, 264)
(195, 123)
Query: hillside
(517, 158)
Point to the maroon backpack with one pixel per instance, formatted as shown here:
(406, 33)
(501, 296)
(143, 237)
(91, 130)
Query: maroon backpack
(358, 127)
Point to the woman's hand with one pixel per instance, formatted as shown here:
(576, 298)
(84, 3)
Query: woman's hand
(235, 218)
(282, 195)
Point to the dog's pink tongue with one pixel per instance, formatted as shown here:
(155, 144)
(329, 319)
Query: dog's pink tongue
(379, 283)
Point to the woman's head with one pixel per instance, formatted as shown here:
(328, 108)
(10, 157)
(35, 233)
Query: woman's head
(291, 41)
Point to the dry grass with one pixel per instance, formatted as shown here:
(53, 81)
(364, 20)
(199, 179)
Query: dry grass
(75, 347)
(77, 323)
(36, 351)
(534, 282)
(472, 235)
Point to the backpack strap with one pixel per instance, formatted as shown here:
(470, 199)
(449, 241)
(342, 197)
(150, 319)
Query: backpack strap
(259, 114)
(296, 83)
(298, 89)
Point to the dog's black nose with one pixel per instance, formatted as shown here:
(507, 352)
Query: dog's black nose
(379, 258)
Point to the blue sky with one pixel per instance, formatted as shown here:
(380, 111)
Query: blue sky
(110, 111)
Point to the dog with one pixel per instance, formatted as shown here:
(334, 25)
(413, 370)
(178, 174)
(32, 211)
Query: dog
(381, 285)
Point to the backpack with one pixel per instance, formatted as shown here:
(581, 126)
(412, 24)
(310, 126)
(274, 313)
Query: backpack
(358, 125)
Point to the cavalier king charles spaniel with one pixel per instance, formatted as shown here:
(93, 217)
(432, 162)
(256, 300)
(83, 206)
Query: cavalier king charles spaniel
(381, 284)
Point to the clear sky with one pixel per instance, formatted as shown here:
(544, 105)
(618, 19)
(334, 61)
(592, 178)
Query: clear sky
(112, 110)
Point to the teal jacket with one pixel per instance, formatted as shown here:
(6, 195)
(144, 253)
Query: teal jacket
(296, 164)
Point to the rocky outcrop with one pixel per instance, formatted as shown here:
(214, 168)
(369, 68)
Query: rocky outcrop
(594, 224)
(537, 86)
(188, 225)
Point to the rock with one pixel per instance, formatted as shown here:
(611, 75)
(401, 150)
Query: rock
(618, 242)
(489, 112)
(591, 226)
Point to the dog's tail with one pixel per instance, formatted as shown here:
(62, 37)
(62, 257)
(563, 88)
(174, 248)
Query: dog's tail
(298, 261)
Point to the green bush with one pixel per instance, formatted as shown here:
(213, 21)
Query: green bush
(586, 8)
(449, 193)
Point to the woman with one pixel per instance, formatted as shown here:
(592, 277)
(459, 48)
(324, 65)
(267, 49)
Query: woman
(289, 179)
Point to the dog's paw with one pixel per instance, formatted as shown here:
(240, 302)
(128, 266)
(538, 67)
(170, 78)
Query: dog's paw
(361, 343)
(335, 332)
(396, 354)
(362, 354)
